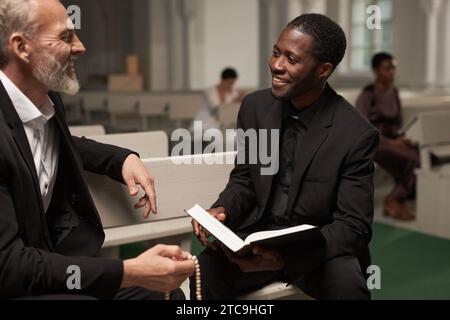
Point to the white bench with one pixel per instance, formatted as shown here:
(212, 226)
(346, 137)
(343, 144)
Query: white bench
(183, 108)
(123, 112)
(149, 144)
(153, 111)
(424, 103)
(83, 131)
(178, 187)
(228, 114)
(95, 102)
(351, 94)
(431, 131)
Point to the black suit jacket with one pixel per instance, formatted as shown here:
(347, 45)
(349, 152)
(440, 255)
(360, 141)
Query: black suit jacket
(332, 182)
(36, 249)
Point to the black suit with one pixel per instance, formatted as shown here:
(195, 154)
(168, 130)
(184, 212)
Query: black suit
(331, 188)
(36, 248)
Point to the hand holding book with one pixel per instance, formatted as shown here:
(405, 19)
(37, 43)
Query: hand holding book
(263, 259)
(201, 233)
(297, 235)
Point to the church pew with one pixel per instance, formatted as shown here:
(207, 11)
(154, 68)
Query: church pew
(95, 104)
(153, 110)
(123, 112)
(178, 187)
(431, 131)
(149, 144)
(228, 113)
(90, 130)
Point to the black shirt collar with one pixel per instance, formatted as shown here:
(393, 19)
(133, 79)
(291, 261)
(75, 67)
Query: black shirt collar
(306, 115)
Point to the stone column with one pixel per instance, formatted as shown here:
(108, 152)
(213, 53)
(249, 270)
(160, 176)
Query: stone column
(273, 17)
(445, 41)
(432, 9)
(345, 21)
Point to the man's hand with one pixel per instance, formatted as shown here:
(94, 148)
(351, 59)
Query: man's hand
(263, 259)
(161, 268)
(134, 173)
(201, 233)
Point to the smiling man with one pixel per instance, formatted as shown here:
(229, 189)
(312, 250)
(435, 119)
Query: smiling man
(48, 221)
(324, 177)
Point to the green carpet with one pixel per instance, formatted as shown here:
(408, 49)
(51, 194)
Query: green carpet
(413, 265)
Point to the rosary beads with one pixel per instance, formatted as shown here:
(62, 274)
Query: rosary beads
(198, 281)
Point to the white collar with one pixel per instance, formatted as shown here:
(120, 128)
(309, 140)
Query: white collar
(27, 110)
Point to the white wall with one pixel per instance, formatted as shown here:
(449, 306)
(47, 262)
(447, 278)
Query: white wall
(230, 39)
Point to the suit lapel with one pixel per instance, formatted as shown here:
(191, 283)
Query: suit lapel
(273, 120)
(66, 143)
(313, 139)
(67, 146)
(61, 125)
(21, 140)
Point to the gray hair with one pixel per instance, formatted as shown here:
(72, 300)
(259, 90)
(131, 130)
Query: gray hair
(15, 16)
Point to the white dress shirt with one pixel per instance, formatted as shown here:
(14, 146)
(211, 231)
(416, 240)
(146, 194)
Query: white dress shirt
(44, 143)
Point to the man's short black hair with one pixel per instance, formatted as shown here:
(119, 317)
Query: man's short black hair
(329, 38)
(229, 73)
(378, 58)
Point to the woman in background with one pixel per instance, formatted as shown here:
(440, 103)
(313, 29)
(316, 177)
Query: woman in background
(380, 104)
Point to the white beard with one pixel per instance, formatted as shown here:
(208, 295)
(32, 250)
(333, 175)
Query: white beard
(53, 75)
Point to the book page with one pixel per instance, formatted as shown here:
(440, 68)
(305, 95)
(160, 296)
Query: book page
(216, 228)
(275, 233)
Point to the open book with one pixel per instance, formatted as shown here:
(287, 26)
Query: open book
(273, 238)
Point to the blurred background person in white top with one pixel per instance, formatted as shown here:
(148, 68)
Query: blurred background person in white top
(222, 93)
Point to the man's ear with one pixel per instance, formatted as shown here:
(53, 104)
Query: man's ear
(325, 70)
(19, 47)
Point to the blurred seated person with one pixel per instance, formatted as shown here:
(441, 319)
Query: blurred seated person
(222, 93)
(380, 104)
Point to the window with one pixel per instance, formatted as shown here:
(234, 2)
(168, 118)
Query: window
(366, 42)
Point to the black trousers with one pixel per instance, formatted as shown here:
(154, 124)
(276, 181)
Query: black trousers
(337, 279)
(132, 293)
